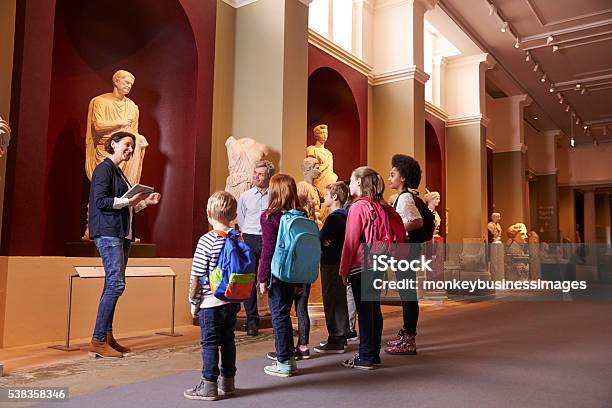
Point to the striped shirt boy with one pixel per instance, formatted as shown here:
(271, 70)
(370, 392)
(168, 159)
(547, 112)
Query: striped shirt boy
(204, 263)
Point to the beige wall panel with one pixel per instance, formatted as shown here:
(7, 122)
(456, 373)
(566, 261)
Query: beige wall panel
(370, 136)
(222, 93)
(295, 88)
(466, 186)
(585, 165)
(398, 126)
(567, 219)
(37, 299)
(258, 91)
(509, 187)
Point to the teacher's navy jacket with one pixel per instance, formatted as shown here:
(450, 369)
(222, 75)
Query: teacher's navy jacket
(106, 184)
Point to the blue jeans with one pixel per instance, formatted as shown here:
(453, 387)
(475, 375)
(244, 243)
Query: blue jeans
(217, 325)
(114, 252)
(280, 298)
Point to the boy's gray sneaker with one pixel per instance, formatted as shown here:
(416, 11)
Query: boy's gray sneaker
(204, 391)
(226, 386)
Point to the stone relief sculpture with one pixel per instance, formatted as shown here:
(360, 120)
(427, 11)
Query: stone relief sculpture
(242, 154)
(5, 136)
(432, 199)
(495, 228)
(109, 113)
(308, 194)
(324, 158)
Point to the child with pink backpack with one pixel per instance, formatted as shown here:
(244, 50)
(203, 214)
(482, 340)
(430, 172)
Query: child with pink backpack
(371, 221)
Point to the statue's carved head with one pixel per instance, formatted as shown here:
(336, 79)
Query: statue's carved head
(496, 217)
(320, 133)
(518, 233)
(432, 199)
(310, 168)
(123, 81)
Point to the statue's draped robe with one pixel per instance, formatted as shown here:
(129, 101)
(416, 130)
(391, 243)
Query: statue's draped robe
(105, 110)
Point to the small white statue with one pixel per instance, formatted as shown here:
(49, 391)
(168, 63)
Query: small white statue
(242, 154)
(5, 136)
(307, 193)
(324, 158)
(495, 228)
(432, 199)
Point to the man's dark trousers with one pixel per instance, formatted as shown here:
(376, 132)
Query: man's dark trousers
(250, 305)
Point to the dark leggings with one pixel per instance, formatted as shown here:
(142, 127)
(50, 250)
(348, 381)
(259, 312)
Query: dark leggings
(410, 310)
(301, 310)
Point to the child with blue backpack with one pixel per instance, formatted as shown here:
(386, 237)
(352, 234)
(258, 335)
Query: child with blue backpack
(222, 275)
(287, 235)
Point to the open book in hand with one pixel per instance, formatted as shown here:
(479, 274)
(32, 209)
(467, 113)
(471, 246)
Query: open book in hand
(138, 188)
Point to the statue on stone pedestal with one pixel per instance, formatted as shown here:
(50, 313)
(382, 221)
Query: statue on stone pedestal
(324, 158)
(109, 113)
(432, 199)
(517, 261)
(242, 154)
(5, 136)
(495, 228)
(307, 193)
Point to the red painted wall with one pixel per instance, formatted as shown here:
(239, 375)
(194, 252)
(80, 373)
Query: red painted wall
(169, 46)
(435, 133)
(338, 96)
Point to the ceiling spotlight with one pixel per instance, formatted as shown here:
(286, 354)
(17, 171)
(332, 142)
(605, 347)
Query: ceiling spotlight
(535, 118)
(595, 142)
(578, 85)
(583, 91)
(585, 127)
(504, 27)
(516, 44)
(572, 142)
(527, 56)
(492, 9)
(555, 48)
(543, 79)
(559, 95)
(567, 108)
(551, 89)
(536, 67)
(549, 39)
(561, 101)
(577, 120)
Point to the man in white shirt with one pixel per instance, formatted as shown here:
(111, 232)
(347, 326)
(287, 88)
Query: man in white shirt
(251, 205)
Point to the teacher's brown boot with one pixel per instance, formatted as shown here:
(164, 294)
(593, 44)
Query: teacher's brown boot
(102, 349)
(113, 343)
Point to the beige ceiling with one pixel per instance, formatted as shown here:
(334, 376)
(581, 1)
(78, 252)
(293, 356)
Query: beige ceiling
(582, 29)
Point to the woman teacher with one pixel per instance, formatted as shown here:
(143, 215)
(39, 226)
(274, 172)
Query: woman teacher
(111, 225)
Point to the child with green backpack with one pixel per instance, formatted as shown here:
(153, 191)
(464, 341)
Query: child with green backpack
(287, 235)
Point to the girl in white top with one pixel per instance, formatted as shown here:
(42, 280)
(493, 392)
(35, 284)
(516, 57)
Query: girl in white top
(404, 177)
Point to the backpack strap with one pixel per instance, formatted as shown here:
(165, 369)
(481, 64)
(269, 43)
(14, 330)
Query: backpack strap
(220, 232)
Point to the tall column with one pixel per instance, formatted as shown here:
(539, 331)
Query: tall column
(510, 194)
(602, 217)
(270, 89)
(545, 207)
(271, 78)
(398, 82)
(466, 161)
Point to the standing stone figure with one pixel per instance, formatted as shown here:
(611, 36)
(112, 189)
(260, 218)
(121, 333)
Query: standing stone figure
(432, 199)
(109, 113)
(5, 136)
(494, 227)
(242, 154)
(324, 157)
(307, 193)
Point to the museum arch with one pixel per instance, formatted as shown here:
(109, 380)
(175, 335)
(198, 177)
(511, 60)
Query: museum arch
(331, 101)
(154, 41)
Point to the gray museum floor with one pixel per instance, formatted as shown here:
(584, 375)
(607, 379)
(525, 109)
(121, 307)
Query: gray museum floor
(471, 354)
